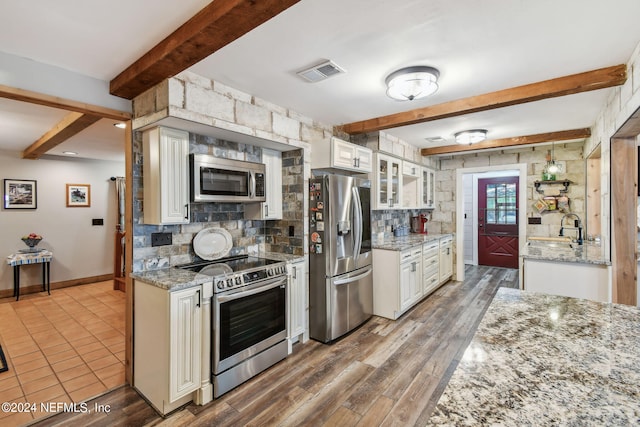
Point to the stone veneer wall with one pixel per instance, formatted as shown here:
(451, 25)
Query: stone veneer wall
(623, 101)
(200, 100)
(444, 215)
(277, 233)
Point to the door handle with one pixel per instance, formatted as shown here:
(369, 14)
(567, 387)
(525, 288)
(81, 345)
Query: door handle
(199, 298)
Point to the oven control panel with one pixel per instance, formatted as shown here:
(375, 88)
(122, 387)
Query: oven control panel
(246, 278)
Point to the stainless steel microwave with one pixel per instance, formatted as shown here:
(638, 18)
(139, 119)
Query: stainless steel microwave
(214, 179)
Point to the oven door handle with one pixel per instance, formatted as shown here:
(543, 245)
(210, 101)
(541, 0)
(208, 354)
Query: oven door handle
(274, 284)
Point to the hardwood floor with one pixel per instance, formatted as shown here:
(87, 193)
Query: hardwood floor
(384, 373)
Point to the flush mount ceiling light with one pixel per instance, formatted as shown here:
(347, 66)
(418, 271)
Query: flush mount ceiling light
(412, 83)
(70, 153)
(471, 136)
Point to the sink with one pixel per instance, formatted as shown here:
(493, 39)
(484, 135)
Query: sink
(550, 244)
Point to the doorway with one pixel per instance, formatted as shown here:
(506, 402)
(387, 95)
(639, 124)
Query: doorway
(498, 222)
(467, 195)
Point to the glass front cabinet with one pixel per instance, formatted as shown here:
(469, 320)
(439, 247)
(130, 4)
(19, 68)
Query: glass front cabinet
(428, 188)
(387, 182)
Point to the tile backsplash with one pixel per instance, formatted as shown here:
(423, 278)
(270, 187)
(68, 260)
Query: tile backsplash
(386, 221)
(249, 236)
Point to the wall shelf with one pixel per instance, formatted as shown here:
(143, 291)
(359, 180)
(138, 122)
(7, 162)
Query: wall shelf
(564, 182)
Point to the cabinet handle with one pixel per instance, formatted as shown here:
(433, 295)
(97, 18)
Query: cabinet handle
(390, 202)
(266, 210)
(448, 251)
(186, 216)
(199, 297)
(413, 266)
(295, 272)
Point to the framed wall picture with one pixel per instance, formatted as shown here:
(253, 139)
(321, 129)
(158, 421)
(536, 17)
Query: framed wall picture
(20, 194)
(78, 195)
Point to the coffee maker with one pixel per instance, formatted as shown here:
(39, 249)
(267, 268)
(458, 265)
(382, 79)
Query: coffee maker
(419, 224)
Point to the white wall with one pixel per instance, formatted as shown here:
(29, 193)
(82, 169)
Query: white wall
(79, 248)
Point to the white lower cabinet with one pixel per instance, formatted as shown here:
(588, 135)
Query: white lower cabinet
(397, 283)
(446, 258)
(430, 266)
(568, 279)
(169, 358)
(403, 278)
(298, 303)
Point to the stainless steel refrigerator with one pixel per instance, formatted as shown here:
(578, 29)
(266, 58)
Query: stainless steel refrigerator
(340, 271)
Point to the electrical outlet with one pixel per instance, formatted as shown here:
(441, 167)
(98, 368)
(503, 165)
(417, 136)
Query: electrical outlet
(97, 221)
(160, 239)
(291, 231)
(535, 220)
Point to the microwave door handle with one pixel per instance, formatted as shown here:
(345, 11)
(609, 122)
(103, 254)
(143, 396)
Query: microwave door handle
(358, 222)
(252, 185)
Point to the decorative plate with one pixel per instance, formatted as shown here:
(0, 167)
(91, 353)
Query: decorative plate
(212, 243)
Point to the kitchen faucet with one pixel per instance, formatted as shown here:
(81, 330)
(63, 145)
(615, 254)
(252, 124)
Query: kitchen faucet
(578, 226)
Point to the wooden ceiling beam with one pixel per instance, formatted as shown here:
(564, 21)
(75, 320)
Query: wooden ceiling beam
(568, 85)
(565, 135)
(215, 26)
(65, 104)
(72, 124)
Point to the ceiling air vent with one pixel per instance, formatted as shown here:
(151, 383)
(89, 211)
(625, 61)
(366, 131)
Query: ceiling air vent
(436, 139)
(320, 72)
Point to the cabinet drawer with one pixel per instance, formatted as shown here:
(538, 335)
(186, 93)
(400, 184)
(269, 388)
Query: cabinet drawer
(445, 241)
(431, 284)
(430, 250)
(430, 270)
(431, 261)
(410, 254)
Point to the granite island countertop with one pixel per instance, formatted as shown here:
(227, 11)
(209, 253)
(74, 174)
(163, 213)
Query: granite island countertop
(585, 254)
(539, 359)
(405, 242)
(174, 279)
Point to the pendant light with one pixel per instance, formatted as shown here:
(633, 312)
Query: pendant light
(551, 163)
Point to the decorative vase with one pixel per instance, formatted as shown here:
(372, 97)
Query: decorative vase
(32, 243)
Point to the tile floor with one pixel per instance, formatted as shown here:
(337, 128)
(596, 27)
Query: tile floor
(66, 347)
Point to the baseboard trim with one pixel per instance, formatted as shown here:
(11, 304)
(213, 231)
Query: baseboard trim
(32, 289)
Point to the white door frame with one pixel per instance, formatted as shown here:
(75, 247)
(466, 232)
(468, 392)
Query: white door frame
(522, 206)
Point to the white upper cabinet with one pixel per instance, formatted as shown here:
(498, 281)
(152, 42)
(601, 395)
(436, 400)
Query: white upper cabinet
(428, 188)
(272, 207)
(411, 169)
(387, 182)
(343, 155)
(166, 176)
(411, 185)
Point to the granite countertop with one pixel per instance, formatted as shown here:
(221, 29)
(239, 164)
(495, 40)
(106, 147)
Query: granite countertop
(174, 279)
(539, 359)
(405, 242)
(586, 254)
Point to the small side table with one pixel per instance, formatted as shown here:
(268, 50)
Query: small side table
(43, 257)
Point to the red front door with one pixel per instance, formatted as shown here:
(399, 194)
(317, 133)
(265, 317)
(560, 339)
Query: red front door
(498, 222)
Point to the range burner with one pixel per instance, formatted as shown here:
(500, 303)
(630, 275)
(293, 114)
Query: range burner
(234, 272)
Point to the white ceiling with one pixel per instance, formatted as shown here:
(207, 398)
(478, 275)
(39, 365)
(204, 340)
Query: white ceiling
(478, 47)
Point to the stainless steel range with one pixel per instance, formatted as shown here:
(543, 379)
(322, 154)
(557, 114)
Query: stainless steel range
(249, 317)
